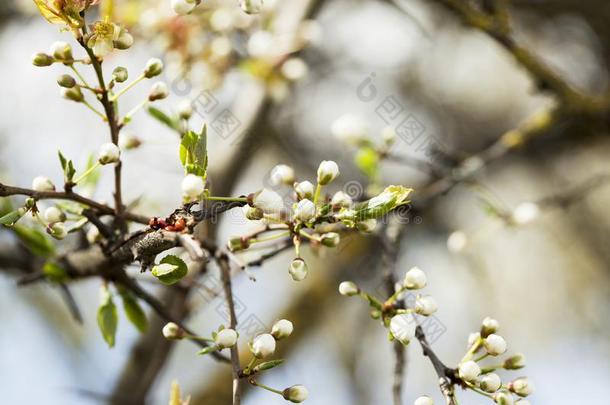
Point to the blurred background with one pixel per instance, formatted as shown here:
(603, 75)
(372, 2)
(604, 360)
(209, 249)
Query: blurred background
(545, 279)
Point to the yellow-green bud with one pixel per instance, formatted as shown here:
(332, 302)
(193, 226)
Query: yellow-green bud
(153, 68)
(66, 81)
(120, 74)
(74, 94)
(61, 51)
(42, 60)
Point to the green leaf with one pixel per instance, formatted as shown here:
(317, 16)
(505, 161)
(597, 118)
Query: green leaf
(134, 312)
(68, 168)
(163, 118)
(107, 317)
(54, 272)
(267, 365)
(171, 270)
(391, 198)
(12, 217)
(36, 241)
(193, 152)
(367, 160)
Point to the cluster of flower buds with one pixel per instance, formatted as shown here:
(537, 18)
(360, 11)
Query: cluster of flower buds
(53, 218)
(401, 322)
(223, 338)
(314, 217)
(262, 347)
(483, 379)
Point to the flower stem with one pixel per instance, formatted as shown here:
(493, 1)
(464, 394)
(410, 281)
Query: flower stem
(269, 238)
(127, 88)
(77, 73)
(87, 172)
(253, 382)
(316, 196)
(228, 199)
(133, 111)
(248, 368)
(100, 114)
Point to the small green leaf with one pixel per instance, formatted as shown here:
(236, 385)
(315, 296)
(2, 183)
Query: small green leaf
(367, 160)
(163, 118)
(36, 241)
(171, 270)
(267, 365)
(134, 311)
(68, 168)
(107, 317)
(12, 217)
(193, 152)
(54, 272)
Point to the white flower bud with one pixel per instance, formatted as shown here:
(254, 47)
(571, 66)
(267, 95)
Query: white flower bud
(305, 210)
(522, 386)
(472, 338)
(525, 213)
(304, 189)
(183, 7)
(120, 74)
(341, 199)
(350, 128)
(403, 328)
(425, 305)
(251, 6)
(415, 279)
(327, 172)
(263, 346)
(330, 239)
(57, 230)
(469, 371)
(495, 344)
(61, 51)
(282, 329)
(109, 153)
(153, 68)
(425, 400)
(226, 338)
(185, 109)
(503, 398)
(282, 174)
(368, 225)
(294, 69)
(489, 326)
(296, 394)
(171, 331)
(42, 60)
(298, 269)
(54, 214)
(490, 382)
(348, 289)
(456, 242)
(42, 184)
(268, 201)
(158, 91)
(192, 186)
(129, 141)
